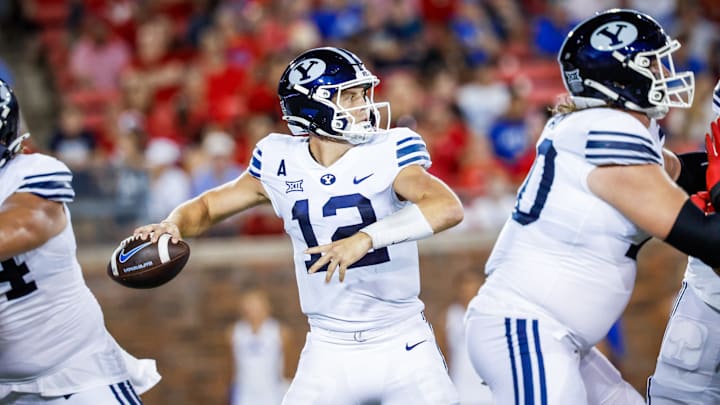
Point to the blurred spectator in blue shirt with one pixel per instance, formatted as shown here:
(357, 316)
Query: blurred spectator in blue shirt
(219, 150)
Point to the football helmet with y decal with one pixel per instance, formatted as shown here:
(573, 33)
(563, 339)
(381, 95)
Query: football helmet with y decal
(310, 92)
(623, 58)
(10, 138)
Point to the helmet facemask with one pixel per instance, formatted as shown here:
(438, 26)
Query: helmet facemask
(343, 121)
(669, 88)
(623, 58)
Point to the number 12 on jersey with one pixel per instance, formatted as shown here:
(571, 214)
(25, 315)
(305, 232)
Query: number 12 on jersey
(534, 190)
(301, 213)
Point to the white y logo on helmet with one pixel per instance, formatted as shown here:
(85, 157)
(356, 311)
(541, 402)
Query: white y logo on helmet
(613, 35)
(5, 98)
(307, 71)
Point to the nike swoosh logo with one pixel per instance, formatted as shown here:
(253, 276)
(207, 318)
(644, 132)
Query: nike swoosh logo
(126, 256)
(360, 180)
(408, 347)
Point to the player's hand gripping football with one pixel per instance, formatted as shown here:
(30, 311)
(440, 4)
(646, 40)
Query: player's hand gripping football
(340, 255)
(153, 231)
(712, 177)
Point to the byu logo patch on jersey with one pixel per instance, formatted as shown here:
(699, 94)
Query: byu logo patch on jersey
(327, 179)
(613, 35)
(307, 71)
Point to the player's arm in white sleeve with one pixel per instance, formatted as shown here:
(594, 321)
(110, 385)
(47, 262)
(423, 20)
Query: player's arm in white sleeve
(27, 221)
(646, 195)
(35, 212)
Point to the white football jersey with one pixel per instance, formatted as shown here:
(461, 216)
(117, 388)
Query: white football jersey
(52, 334)
(564, 252)
(258, 359)
(322, 204)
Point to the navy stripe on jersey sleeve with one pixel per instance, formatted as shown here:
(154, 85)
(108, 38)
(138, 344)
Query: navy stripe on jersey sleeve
(716, 99)
(412, 150)
(620, 148)
(255, 167)
(55, 186)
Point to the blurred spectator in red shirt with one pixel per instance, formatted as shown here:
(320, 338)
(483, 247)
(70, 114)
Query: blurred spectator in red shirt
(154, 65)
(446, 137)
(98, 57)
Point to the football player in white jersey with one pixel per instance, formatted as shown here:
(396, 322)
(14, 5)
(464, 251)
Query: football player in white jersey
(54, 347)
(258, 345)
(563, 267)
(355, 197)
(688, 367)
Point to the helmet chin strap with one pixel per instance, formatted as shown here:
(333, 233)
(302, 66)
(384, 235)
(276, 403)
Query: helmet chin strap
(13, 148)
(656, 112)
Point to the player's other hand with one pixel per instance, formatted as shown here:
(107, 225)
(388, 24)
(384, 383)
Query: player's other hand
(340, 255)
(701, 200)
(712, 177)
(153, 231)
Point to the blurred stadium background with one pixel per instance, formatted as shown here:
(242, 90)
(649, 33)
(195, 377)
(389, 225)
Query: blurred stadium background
(151, 102)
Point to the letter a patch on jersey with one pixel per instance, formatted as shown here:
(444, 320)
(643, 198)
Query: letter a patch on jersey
(281, 169)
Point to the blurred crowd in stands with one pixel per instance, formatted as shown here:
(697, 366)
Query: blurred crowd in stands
(163, 99)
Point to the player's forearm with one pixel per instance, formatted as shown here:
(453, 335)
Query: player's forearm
(415, 221)
(191, 217)
(442, 212)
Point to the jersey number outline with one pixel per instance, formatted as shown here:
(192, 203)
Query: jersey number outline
(549, 153)
(301, 213)
(13, 273)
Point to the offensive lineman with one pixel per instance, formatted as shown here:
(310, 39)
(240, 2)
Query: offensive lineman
(563, 268)
(54, 347)
(354, 199)
(687, 369)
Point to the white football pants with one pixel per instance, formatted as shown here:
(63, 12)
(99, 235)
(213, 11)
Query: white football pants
(524, 363)
(687, 370)
(115, 394)
(398, 365)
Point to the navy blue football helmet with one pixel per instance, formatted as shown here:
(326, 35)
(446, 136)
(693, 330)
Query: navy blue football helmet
(10, 138)
(622, 58)
(310, 93)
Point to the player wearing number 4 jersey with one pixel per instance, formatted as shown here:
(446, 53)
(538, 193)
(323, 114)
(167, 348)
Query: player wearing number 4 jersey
(563, 267)
(354, 197)
(54, 348)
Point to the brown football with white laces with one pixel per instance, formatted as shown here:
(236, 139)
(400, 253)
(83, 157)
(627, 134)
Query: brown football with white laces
(138, 263)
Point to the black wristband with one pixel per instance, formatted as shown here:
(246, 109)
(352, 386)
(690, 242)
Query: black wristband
(693, 166)
(697, 235)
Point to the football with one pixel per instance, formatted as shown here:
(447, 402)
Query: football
(138, 263)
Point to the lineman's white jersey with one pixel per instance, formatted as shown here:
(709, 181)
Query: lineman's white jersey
(52, 334)
(321, 204)
(564, 252)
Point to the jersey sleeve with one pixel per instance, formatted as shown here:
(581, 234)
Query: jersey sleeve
(410, 149)
(621, 140)
(255, 166)
(48, 178)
